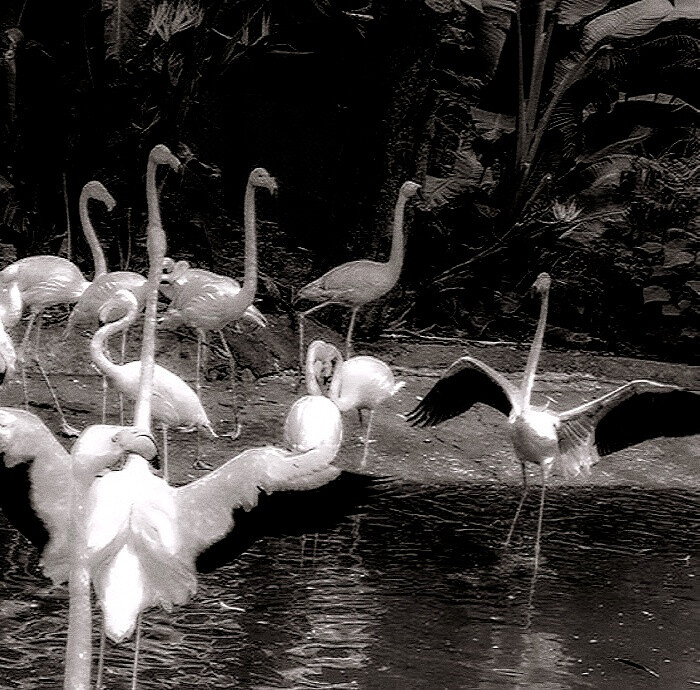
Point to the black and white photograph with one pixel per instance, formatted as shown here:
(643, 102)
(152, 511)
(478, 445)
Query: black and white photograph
(349, 344)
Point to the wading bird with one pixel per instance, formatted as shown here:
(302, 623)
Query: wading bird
(356, 283)
(207, 301)
(143, 536)
(42, 492)
(174, 404)
(104, 284)
(575, 439)
(45, 281)
(359, 383)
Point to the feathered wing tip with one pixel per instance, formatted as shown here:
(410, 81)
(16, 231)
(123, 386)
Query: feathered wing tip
(468, 381)
(578, 460)
(255, 316)
(8, 357)
(397, 387)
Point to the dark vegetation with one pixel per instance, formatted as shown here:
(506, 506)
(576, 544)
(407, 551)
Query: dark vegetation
(548, 135)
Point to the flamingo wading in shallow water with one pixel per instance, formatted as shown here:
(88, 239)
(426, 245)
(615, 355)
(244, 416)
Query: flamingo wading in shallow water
(143, 536)
(207, 301)
(574, 439)
(356, 283)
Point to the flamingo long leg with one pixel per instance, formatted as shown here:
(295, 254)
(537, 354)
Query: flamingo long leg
(538, 537)
(101, 658)
(348, 340)
(137, 643)
(21, 355)
(165, 452)
(369, 429)
(232, 364)
(519, 508)
(66, 428)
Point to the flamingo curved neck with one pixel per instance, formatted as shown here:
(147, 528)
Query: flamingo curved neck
(250, 266)
(397, 240)
(102, 335)
(311, 381)
(98, 256)
(535, 352)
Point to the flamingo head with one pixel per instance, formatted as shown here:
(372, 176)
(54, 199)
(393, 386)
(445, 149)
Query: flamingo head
(177, 271)
(162, 155)
(103, 447)
(121, 304)
(542, 283)
(322, 360)
(23, 436)
(96, 190)
(9, 274)
(409, 189)
(259, 177)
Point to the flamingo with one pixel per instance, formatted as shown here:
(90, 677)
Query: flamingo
(207, 301)
(142, 536)
(45, 281)
(575, 439)
(104, 284)
(359, 383)
(174, 403)
(8, 356)
(356, 283)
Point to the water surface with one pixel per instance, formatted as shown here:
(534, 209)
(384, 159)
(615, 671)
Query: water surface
(397, 585)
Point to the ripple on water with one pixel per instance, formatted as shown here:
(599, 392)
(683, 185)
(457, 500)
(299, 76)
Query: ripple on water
(411, 591)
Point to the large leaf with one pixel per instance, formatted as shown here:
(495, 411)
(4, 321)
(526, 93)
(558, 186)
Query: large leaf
(637, 19)
(492, 30)
(125, 27)
(490, 126)
(572, 11)
(468, 172)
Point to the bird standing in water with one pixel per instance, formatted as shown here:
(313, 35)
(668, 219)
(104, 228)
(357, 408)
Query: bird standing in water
(207, 301)
(356, 283)
(359, 383)
(574, 440)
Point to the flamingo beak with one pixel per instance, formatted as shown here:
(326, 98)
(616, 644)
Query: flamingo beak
(138, 441)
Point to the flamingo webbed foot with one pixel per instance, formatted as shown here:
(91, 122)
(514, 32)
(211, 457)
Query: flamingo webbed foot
(202, 465)
(233, 434)
(68, 430)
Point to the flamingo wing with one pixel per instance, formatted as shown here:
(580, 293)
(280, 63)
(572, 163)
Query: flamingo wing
(205, 506)
(34, 461)
(467, 382)
(636, 412)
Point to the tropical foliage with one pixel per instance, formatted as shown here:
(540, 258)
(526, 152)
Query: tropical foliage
(550, 134)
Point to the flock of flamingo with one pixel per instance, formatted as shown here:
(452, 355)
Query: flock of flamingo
(111, 523)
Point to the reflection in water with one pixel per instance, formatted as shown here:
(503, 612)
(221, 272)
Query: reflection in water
(413, 593)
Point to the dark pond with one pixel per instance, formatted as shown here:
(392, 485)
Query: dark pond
(388, 585)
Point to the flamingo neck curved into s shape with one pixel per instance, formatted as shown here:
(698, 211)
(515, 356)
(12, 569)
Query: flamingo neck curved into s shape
(98, 256)
(102, 335)
(312, 385)
(535, 352)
